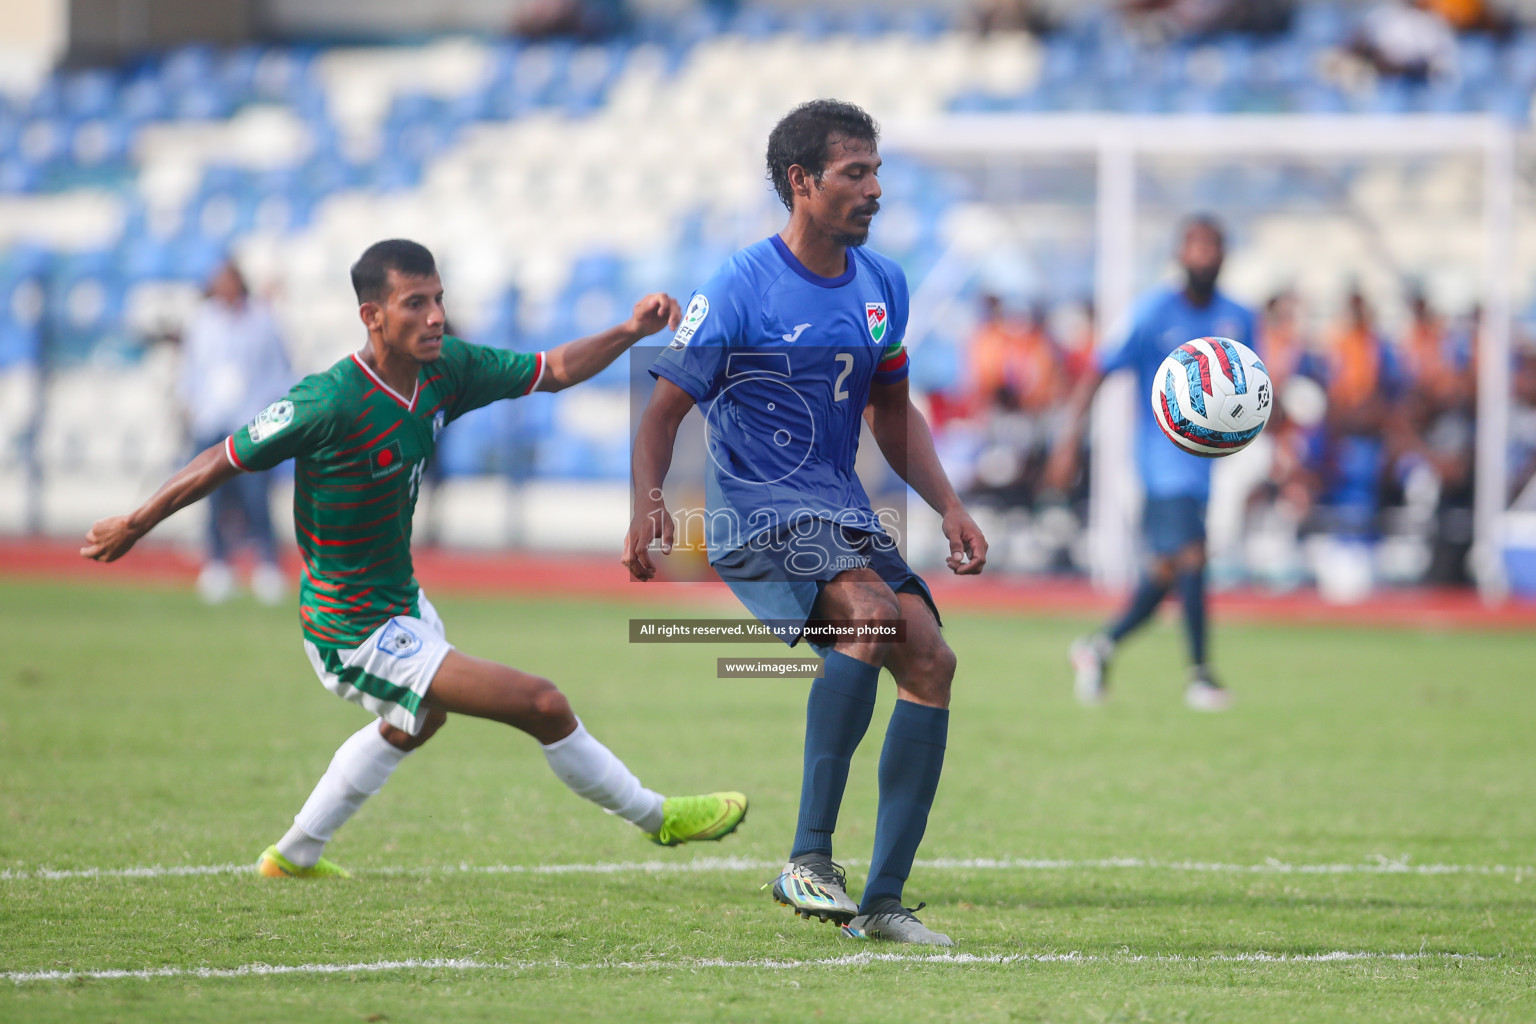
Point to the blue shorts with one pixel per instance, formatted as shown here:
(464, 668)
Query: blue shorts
(779, 573)
(1169, 525)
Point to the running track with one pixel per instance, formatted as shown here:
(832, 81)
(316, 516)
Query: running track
(585, 575)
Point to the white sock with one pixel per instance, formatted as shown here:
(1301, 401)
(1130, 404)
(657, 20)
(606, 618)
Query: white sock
(360, 768)
(592, 771)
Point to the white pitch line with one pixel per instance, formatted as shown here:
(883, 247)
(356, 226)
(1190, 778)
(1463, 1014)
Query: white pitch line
(689, 963)
(1381, 866)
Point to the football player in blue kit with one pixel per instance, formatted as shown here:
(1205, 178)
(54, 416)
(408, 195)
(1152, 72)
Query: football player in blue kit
(1176, 484)
(793, 345)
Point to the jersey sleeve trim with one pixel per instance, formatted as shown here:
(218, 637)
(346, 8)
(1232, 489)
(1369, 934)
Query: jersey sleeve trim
(538, 375)
(894, 369)
(229, 453)
(696, 388)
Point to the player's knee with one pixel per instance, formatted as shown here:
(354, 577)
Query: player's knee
(944, 663)
(1192, 559)
(875, 603)
(930, 672)
(548, 705)
(1164, 570)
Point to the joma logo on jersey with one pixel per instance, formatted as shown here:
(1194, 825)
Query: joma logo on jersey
(384, 461)
(874, 312)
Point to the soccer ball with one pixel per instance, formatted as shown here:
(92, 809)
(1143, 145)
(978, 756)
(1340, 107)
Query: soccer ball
(1212, 396)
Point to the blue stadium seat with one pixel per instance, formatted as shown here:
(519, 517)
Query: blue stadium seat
(143, 257)
(468, 444)
(89, 93)
(143, 99)
(1520, 60)
(84, 305)
(1477, 59)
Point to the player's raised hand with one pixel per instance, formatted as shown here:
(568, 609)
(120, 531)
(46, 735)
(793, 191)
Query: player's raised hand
(650, 522)
(654, 312)
(110, 539)
(967, 547)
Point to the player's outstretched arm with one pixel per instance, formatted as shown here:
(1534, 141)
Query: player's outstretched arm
(1061, 465)
(654, 441)
(905, 440)
(575, 361)
(111, 538)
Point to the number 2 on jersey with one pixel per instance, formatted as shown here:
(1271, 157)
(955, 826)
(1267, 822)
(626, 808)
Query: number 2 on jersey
(846, 359)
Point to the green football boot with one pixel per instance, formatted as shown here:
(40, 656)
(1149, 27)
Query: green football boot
(274, 865)
(696, 819)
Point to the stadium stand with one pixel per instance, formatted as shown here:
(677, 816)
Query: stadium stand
(558, 181)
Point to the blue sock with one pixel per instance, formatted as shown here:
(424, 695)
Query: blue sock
(1149, 594)
(910, 766)
(1192, 594)
(836, 718)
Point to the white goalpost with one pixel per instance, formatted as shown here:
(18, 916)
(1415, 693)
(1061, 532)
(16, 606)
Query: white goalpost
(1117, 143)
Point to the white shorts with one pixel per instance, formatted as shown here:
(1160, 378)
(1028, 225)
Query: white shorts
(388, 673)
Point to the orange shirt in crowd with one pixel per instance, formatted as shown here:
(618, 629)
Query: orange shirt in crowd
(1019, 358)
(1355, 360)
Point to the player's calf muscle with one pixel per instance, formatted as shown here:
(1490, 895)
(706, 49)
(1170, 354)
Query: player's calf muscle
(484, 689)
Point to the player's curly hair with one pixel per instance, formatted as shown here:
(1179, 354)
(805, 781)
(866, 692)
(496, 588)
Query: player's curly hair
(805, 135)
(370, 274)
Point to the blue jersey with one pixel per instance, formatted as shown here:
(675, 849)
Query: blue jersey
(780, 361)
(1162, 321)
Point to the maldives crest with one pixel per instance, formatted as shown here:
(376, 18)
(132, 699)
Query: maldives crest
(874, 313)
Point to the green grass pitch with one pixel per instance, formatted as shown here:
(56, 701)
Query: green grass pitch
(140, 728)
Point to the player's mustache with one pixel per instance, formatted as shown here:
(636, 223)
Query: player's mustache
(868, 208)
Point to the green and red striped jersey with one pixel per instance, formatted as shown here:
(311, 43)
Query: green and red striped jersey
(360, 449)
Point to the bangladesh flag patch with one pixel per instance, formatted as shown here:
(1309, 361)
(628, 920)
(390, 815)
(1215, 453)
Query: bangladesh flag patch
(386, 460)
(874, 312)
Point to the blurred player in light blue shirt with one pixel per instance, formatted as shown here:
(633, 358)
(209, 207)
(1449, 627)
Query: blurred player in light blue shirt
(1177, 484)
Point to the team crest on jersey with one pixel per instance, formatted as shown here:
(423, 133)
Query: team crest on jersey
(386, 460)
(698, 309)
(270, 420)
(438, 419)
(397, 641)
(874, 312)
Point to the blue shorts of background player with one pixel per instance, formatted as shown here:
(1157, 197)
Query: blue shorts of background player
(1169, 525)
(779, 574)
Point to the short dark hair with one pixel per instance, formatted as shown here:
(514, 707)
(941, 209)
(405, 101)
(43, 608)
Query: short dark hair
(1204, 222)
(804, 136)
(370, 274)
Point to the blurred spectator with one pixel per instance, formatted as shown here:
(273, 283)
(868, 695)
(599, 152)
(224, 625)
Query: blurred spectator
(1298, 412)
(990, 16)
(1080, 334)
(1365, 383)
(233, 365)
(1280, 338)
(1470, 15)
(1439, 360)
(1440, 414)
(1522, 432)
(1015, 382)
(1406, 39)
(1174, 19)
(1014, 364)
(570, 19)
